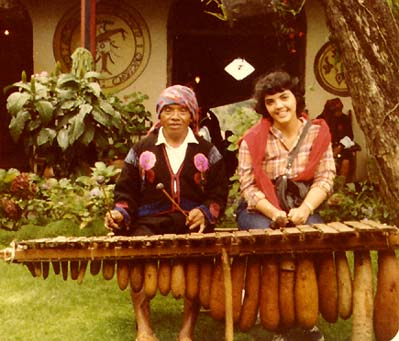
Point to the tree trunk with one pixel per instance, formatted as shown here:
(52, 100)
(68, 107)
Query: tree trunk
(367, 36)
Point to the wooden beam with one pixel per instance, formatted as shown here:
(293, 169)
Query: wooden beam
(88, 25)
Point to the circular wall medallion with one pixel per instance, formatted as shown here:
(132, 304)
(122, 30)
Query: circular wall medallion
(123, 43)
(329, 70)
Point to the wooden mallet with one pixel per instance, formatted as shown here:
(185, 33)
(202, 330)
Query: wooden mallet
(101, 181)
(161, 187)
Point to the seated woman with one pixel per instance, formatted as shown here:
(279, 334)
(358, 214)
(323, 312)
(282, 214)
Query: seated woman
(263, 155)
(264, 151)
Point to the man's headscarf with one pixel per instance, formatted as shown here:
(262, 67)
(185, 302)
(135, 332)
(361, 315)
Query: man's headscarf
(182, 95)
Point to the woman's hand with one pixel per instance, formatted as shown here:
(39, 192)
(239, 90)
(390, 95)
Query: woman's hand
(112, 220)
(280, 219)
(196, 219)
(299, 215)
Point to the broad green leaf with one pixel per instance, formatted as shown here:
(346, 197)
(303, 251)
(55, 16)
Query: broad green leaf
(34, 124)
(351, 186)
(95, 88)
(63, 138)
(101, 140)
(109, 109)
(46, 135)
(100, 165)
(77, 124)
(114, 118)
(92, 74)
(41, 91)
(88, 135)
(45, 110)
(22, 85)
(67, 79)
(66, 94)
(84, 109)
(69, 104)
(11, 174)
(65, 120)
(17, 124)
(101, 118)
(16, 101)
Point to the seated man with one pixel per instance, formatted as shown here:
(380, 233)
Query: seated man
(173, 181)
(344, 147)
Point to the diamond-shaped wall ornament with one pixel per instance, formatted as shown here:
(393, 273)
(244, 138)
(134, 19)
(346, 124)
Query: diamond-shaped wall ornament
(239, 68)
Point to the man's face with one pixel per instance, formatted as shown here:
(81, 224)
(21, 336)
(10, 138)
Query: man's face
(175, 119)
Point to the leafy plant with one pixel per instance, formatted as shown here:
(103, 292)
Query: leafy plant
(220, 11)
(239, 121)
(357, 201)
(66, 120)
(135, 122)
(28, 198)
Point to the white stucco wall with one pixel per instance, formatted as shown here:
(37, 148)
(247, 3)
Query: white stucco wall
(153, 79)
(45, 16)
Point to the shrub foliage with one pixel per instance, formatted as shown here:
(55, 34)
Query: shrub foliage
(27, 198)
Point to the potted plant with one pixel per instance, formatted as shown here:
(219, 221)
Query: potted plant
(64, 119)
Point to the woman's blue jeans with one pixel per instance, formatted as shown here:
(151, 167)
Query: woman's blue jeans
(254, 220)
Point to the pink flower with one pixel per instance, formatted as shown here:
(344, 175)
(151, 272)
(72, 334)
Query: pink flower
(201, 162)
(147, 160)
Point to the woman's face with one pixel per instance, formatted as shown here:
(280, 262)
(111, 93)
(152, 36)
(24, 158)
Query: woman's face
(175, 119)
(282, 107)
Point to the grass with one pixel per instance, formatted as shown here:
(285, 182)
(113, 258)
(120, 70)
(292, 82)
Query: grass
(53, 309)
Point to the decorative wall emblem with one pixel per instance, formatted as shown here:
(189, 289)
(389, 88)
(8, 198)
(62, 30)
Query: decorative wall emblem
(123, 43)
(329, 70)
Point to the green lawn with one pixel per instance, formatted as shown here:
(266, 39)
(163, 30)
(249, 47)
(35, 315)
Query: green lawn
(53, 309)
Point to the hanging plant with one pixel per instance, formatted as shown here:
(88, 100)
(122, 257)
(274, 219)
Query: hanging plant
(235, 10)
(219, 9)
(282, 13)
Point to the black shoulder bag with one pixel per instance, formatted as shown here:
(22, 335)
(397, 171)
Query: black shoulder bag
(291, 193)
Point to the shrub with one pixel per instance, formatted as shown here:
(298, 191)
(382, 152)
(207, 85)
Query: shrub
(27, 198)
(357, 201)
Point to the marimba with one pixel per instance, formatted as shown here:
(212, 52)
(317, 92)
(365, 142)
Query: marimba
(289, 275)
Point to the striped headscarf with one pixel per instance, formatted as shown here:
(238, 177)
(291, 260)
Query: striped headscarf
(182, 95)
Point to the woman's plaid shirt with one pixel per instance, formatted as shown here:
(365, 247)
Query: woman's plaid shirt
(275, 162)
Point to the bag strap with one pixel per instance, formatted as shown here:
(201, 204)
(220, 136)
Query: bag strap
(295, 151)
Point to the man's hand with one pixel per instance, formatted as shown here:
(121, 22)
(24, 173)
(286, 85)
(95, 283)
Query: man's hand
(112, 220)
(196, 219)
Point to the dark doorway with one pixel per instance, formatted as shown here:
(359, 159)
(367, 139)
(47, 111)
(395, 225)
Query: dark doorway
(16, 55)
(201, 45)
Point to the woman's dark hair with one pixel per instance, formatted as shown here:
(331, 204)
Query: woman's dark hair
(273, 82)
